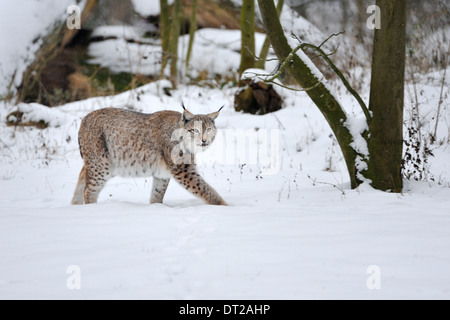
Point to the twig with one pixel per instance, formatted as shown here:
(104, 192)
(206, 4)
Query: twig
(331, 64)
(415, 105)
(292, 89)
(332, 35)
(441, 100)
(285, 62)
(325, 41)
(6, 146)
(264, 78)
(322, 54)
(258, 58)
(280, 124)
(341, 189)
(343, 79)
(330, 54)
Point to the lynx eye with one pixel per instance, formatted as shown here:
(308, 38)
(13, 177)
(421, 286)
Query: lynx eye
(194, 131)
(209, 130)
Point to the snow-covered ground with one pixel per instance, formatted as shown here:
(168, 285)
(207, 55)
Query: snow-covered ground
(299, 232)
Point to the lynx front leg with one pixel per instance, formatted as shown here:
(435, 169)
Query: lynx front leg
(159, 190)
(187, 176)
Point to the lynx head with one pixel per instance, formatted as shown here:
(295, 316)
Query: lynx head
(199, 131)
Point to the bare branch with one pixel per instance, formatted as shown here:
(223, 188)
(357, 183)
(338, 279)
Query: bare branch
(325, 56)
(332, 35)
(264, 77)
(341, 76)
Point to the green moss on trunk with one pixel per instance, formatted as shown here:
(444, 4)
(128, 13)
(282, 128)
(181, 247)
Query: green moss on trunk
(387, 97)
(248, 36)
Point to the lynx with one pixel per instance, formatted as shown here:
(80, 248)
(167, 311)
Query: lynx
(117, 142)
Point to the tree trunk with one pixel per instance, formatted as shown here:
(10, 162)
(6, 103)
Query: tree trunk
(164, 29)
(257, 98)
(248, 36)
(317, 91)
(53, 44)
(384, 138)
(260, 64)
(192, 30)
(386, 97)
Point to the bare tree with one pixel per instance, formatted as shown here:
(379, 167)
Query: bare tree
(192, 30)
(164, 27)
(387, 97)
(248, 35)
(383, 120)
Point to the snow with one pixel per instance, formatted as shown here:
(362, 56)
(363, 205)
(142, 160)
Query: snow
(122, 32)
(148, 8)
(297, 233)
(31, 20)
(122, 56)
(294, 232)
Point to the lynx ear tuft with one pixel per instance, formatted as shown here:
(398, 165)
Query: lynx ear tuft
(213, 116)
(187, 116)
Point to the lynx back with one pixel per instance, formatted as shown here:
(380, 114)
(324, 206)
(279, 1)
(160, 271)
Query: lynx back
(116, 142)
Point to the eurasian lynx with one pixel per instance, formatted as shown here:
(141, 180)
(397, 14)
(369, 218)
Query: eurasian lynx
(116, 142)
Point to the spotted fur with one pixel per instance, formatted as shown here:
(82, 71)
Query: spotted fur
(116, 142)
